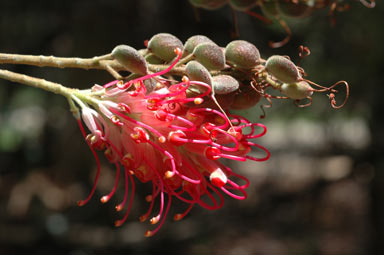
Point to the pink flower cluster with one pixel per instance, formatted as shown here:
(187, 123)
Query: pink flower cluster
(164, 137)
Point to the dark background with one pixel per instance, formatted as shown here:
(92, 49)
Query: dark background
(322, 191)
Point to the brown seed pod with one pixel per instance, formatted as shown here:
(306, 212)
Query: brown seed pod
(208, 4)
(282, 69)
(245, 98)
(197, 72)
(130, 58)
(163, 45)
(298, 90)
(193, 41)
(242, 54)
(224, 84)
(210, 55)
(242, 5)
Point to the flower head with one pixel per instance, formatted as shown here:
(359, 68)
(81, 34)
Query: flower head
(166, 138)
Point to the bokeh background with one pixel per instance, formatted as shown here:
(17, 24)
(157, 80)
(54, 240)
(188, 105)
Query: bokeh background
(322, 191)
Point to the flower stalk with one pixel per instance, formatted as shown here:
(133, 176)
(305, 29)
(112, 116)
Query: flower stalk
(169, 122)
(37, 83)
(104, 62)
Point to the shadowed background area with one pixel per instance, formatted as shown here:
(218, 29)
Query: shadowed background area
(322, 191)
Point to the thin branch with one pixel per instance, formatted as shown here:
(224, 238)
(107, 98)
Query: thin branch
(37, 83)
(52, 61)
(104, 62)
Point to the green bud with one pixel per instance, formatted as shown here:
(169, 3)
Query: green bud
(242, 5)
(208, 4)
(150, 84)
(242, 54)
(269, 9)
(130, 58)
(282, 69)
(298, 90)
(224, 84)
(143, 52)
(193, 41)
(295, 10)
(163, 45)
(197, 72)
(153, 59)
(245, 98)
(210, 55)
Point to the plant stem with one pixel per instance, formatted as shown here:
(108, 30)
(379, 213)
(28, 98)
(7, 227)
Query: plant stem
(105, 62)
(177, 70)
(102, 62)
(52, 61)
(37, 83)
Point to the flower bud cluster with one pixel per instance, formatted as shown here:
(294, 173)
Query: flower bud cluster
(165, 134)
(237, 74)
(169, 123)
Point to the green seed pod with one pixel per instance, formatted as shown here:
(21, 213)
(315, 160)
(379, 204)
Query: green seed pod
(208, 4)
(150, 84)
(298, 90)
(130, 58)
(193, 41)
(224, 84)
(197, 72)
(163, 45)
(242, 5)
(210, 55)
(242, 54)
(269, 9)
(245, 98)
(153, 59)
(294, 10)
(282, 69)
(143, 52)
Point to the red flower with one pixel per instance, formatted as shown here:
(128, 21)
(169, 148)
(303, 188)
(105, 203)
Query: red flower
(164, 137)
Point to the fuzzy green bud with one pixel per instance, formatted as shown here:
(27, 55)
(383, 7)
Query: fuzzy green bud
(153, 59)
(242, 54)
(269, 9)
(193, 41)
(242, 5)
(295, 10)
(298, 90)
(210, 55)
(163, 45)
(150, 84)
(224, 84)
(282, 69)
(130, 59)
(197, 72)
(208, 4)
